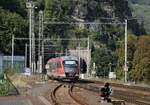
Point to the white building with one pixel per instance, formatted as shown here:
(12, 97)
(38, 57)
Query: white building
(1, 62)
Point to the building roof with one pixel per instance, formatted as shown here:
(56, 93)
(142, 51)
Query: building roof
(1, 53)
(16, 58)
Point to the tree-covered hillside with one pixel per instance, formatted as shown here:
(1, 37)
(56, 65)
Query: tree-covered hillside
(106, 41)
(140, 9)
(141, 2)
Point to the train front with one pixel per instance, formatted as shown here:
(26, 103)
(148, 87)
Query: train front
(71, 69)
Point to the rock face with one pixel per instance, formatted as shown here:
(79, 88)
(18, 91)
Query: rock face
(80, 10)
(90, 9)
(140, 9)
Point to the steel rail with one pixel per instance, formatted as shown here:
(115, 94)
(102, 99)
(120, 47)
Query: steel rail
(78, 100)
(70, 92)
(53, 95)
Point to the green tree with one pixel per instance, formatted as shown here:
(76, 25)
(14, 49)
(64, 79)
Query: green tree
(18, 6)
(141, 61)
(132, 41)
(11, 24)
(102, 58)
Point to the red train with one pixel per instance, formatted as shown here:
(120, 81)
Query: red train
(64, 68)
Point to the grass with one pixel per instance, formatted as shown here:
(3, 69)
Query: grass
(7, 88)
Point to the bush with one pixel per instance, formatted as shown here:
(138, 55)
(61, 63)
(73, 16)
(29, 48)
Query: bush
(1, 76)
(7, 88)
(4, 88)
(9, 71)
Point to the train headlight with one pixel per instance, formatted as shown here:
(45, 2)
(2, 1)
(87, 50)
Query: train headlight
(77, 75)
(46, 66)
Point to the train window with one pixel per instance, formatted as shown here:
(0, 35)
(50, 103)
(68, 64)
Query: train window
(52, 66)
(70, 62)
(59, 65)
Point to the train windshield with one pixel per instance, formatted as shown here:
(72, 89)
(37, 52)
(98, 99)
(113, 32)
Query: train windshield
(70, 64)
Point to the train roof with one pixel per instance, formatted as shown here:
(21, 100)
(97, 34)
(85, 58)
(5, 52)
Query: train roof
(63, 58)
(54, 60)
(69, 58)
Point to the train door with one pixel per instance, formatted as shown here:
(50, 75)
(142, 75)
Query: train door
(60, 69)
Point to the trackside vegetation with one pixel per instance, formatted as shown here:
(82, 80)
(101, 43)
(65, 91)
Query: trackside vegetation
(6, 87)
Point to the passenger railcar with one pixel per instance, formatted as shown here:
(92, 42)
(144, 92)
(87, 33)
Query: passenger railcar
(63, 68)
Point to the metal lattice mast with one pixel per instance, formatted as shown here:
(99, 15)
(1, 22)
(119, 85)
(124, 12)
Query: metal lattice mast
(88, 56)
(26, 54)
(125, 64)
(30, 5)
(12, 58)
(40, 42)
(33, 42)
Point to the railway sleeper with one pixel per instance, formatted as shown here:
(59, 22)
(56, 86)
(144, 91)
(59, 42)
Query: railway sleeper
(118, 102)
(142, 102)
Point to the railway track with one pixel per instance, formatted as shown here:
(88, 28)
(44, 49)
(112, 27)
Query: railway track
(63, 95)
(139, 88)
(76, 98)
(53, 95)
(137, 95)
(122, 93)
